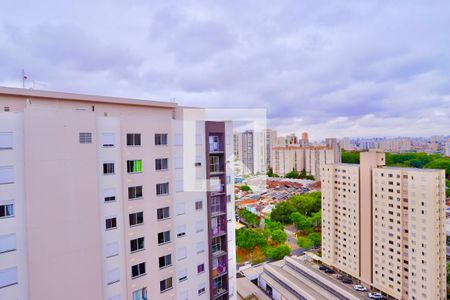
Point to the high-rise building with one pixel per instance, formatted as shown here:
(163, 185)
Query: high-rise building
(247, 152)
(299, 158)
(113, 198)
(271, 137)
(385, 226)
(305, 139)
(447, 149)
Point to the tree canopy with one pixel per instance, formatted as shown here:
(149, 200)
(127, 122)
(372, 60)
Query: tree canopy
(279, 236)
(248, 239)
(282, 213)
(278, 252)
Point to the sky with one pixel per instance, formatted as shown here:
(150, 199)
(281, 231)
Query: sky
(331, 68)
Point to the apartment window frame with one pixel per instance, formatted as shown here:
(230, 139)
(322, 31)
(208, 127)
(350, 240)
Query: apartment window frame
(198, 205)
(112, 222)
(181, 231)
(7, 209)
(161, 139)
(6, 140)
(161, 164)
(85, 138)
(113, 271)
(134, 166)
(138, 270)
(137, 244)
(163, 213)
(183, 276)
(8, 243)
(140, 294)
(14, 276)
(165, 261)
(108, 168)
(164, 237)
(134, 140)
(7, 175)
(109, 195)
(165, 285)
(133, 192)
(201, 268)
(162, 189)
(136, 218)
(108, 139)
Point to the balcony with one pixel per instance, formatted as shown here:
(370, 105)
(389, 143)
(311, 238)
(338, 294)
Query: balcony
(219, 292)
(217, 189)
(215, 144)
(218, 231)
(220, 270)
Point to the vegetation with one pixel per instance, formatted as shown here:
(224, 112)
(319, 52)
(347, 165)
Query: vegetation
(260, 244)
(412, 160)
(279, 236)
(250, 218)
(278, 252)
(306, 204)
(245, 188)
(302, 175)
(304, 242)
(270, 173)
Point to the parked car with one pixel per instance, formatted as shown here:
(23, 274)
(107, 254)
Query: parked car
(329, 271)
(323, 268)
(375, 296)
(359, 288)
(346, 280)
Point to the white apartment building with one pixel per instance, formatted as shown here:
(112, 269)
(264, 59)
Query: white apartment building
(95, 201)
(385, 226)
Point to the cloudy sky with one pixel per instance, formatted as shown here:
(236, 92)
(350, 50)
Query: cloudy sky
(332, 68)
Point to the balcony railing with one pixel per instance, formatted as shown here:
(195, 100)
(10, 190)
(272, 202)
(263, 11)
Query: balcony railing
(219, 292)
(218, 231)
(219, 270)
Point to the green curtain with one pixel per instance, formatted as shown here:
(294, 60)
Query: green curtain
(137, 166)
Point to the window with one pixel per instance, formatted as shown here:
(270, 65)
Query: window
(138, 270)
(163, 213)
(135, 192)
(182, 275)
(85, 137)
(6, 174)
(200, 247)
(181, 230)
(109, 194)
(108, 168)
(111, 223)
(163, 237)
(6, 140)
(137, 244)
(161, 164)
(201, 288)
(200, 268)
(136, 218)
(108, 139)
(165, 261)
(178, 163)
(199, 226)
(133, 139)
(165, 284)
(6, 210)
(113, 276)
(8, 277)
(112, 249)
(178, 140)
(214, 164)
(162, 188)
(179, 186)
(161, 139)
(183, 295)
(134, 166)
(7, 243)
(198, 205)
(180, 208)
(181, 253)
(140, 294)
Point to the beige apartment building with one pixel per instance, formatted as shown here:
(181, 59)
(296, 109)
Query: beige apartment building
(95, 201)
(286, 158)
(385, 226)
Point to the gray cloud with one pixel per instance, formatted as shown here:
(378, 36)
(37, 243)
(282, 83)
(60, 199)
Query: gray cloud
(334, 68)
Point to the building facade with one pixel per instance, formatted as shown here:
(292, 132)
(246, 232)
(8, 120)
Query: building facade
(99, 186)
(385, 226)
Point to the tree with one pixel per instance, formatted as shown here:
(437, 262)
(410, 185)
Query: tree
(350, 157)
(273, 225)
(279, 236)
(293, 174)
(316, 219)
(282, 213)
(304, 242)
(278, 252)
(300, 221)
(270, 173)
(305, 204)
(315, 238)
(248, 239)
(250, 218)
(245, 188)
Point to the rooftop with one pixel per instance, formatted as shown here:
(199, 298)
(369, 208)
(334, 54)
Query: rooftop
(31, 93)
